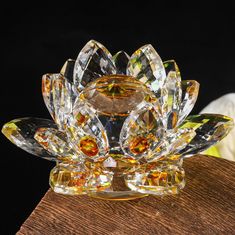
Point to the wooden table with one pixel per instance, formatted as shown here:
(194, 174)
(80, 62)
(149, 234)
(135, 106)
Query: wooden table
(205, 206)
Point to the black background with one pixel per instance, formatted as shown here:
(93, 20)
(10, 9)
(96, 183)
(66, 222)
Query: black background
(38, 39)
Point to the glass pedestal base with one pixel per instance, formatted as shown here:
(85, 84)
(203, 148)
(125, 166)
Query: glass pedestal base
(117, 195)
(118, 192)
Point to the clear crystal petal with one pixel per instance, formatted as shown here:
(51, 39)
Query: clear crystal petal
(121, 60)
(87, 132)
(67, 70)
(171, 66)
(190, 89)
(180, 139)
(209, 128)
(21, 133)
(69, 179)
(57, 94)
(172, 143)
(55, 142)
(173, 91)
(93, 61)
(157, 181)
(146, 65)
(142, 131)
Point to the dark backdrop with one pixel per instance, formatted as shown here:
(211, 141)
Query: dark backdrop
(38, 39)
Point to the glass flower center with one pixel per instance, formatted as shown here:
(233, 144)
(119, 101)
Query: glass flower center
(115, 94)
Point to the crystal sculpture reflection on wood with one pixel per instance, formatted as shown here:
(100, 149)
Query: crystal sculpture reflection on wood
(120, 127)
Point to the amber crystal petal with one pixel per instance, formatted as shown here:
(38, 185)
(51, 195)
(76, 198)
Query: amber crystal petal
(21, 133)
(55, 142)
(209, 128)
(69, 179)
(141, 131)
(190, 89)
(57, 93)
(157, 181)
(93, 61)
(87, 132)
(146, 65)
(121, 60)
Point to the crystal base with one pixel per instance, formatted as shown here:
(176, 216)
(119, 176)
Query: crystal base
(119, 191)
(118, 195)
(163, 178)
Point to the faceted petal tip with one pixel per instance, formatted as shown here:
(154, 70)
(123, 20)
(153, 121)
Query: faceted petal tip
(93, 61)
(55, 142)
(171, 66)
(67, 69)
(121, 60)
(58, 97)
(190, 89)
(209, 128)
(146, 65)
(21, 133)
(172, 95)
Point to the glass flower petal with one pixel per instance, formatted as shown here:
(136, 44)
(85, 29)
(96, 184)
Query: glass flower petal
(69, 179)
(93, 61)
(121, 60)
(87, 132)
(190, 89)
(146, 65)
(173, 94)
(67, 72)
(171, 66)
(180, 139)
(55, 142)
(171, 144)
(57, 94)
(157, 181)
(67, 69)
(209, 128)
(21, 133)
(142, 131)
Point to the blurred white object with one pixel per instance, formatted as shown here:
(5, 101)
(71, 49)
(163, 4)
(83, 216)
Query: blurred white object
(224, 105)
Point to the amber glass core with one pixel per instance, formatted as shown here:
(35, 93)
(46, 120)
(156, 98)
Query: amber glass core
(115, 94)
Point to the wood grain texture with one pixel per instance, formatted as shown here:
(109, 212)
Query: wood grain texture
(205, 206)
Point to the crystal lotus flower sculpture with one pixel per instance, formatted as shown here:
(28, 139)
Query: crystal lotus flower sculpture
(120, 129)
